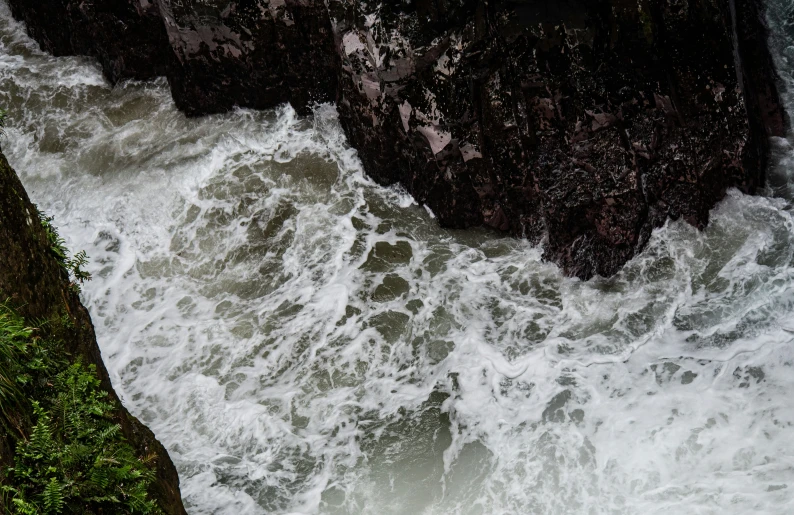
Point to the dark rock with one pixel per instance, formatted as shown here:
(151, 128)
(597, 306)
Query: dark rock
(586, 124)
(250, 54)
(48, 23)
(37, 286)
(132, 40)
(582, 124)
(759, 80)
(126, 36)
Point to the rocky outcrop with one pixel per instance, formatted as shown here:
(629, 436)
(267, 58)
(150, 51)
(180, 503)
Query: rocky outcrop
(581, 124)
(586, 124)
(38, 287)
(250, 54)
(127, 37)
(216, 54)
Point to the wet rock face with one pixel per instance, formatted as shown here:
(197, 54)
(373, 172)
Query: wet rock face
(582, 124)
(586, 124)
(217, 54)
(126, 36)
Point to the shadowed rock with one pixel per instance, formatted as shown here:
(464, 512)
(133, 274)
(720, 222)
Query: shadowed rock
(248, 53)
(584, 124)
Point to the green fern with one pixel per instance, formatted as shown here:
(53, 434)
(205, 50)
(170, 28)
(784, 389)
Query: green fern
(56, 243)
(14, 337)
(52, 497)
(72, 266)
(23, 507)
(75, 266)
(99, 478)
(74, 458)
(41, 444)
(109, 433)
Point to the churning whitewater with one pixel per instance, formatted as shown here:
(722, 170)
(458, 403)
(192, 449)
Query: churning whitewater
(305, 341)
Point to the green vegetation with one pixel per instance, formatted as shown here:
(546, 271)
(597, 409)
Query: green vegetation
(72, 266)
(13, 343)
(75, 459)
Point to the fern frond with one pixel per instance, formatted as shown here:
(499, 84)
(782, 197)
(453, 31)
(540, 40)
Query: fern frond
(99, 478)
(23, 507)
(52, 498)
(109, 433)
(41, 437)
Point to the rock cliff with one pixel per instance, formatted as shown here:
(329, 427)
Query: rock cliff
(579, 124)
(36, 285)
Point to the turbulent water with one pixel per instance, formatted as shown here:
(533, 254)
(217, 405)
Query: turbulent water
(303, 340)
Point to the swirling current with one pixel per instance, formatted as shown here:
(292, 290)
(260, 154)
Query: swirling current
(303, 340)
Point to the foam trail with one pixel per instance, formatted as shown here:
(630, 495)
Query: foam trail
(304, 341)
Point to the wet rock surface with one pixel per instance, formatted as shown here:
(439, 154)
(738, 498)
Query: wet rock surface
(582, 125)
(585, 124)
(255, 54)
(126, 36)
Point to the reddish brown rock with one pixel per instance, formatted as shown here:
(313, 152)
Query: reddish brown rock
(582, 124)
